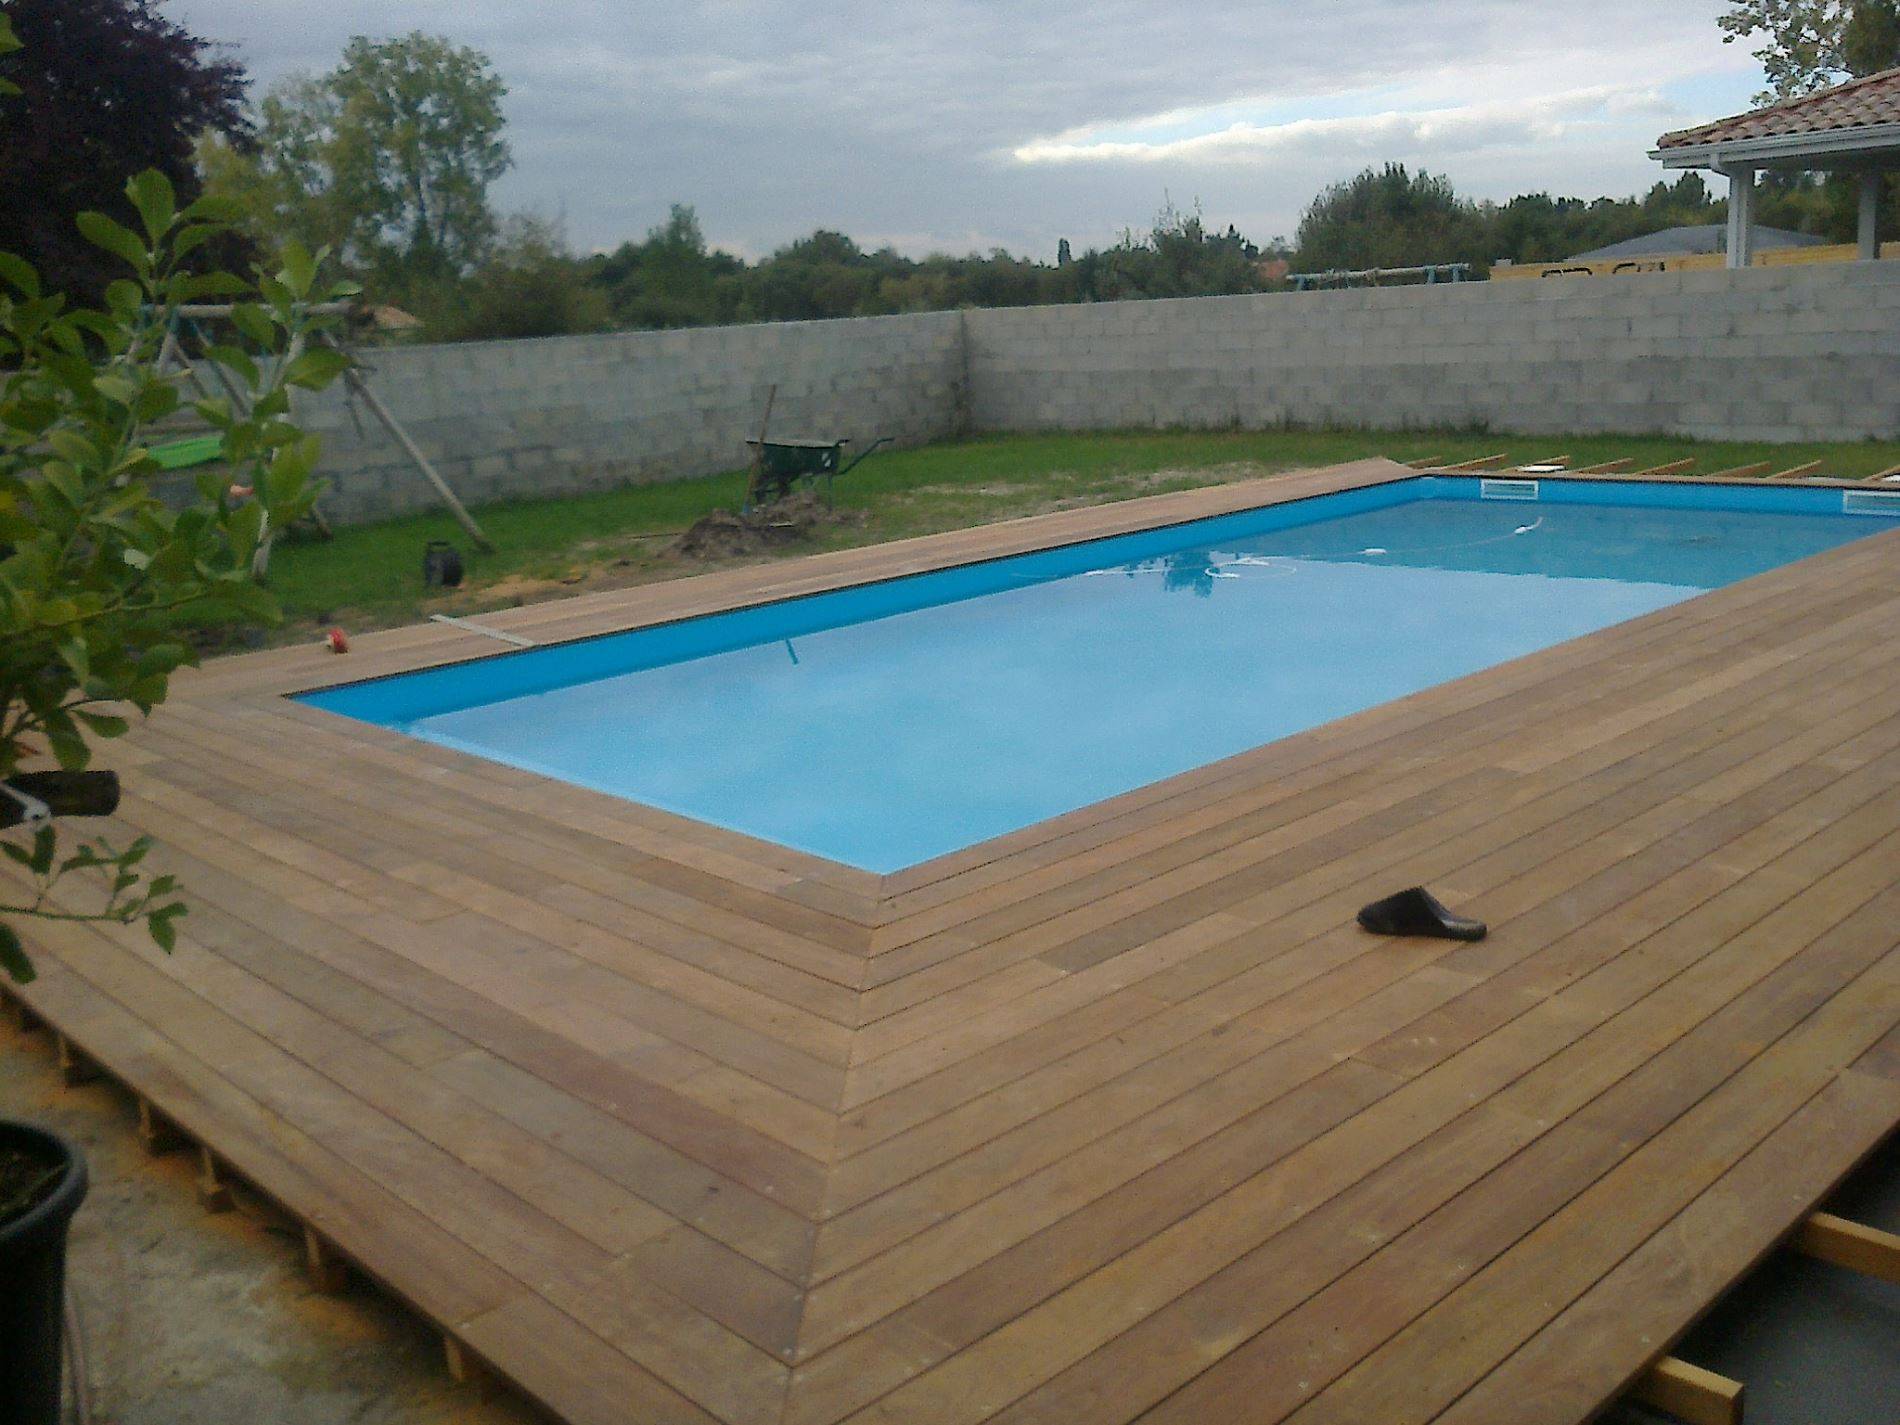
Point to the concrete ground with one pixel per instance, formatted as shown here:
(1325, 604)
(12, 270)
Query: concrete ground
(195, 1318)
(1812, 1344)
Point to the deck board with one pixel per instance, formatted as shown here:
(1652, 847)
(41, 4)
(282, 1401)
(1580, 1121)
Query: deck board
(1117, 1117)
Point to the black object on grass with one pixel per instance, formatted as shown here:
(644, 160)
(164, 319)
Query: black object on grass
(1417, 912)
(441, 565)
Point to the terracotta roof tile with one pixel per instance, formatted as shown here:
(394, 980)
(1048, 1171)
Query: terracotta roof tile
(1853, 105)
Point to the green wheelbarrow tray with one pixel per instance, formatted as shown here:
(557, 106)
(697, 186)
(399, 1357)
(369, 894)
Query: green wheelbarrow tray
(782, 464)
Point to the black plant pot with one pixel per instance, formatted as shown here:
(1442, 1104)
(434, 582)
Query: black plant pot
(32, 1282)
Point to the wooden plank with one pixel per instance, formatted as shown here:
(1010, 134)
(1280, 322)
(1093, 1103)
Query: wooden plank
(329, 1273)
(1283, 1273)
(1483, 462)
(905, 1154)
(1119, 1113)
(1690, 1393)
(1852, 1245)
(863, 1072)
(1738, 472)
(1607, 467)
(156, 1134)
(74, 1067)
(1601, 1343)
(1795, 472)
(1275, 973)
(1673, 467)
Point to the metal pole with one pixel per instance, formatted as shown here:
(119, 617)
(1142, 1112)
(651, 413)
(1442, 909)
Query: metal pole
(217, 311)
(413, 451)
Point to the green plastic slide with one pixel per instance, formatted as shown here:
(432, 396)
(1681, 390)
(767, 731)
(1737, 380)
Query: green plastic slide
(183, 454)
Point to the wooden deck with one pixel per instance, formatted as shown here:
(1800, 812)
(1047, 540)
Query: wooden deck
(1115, 1118)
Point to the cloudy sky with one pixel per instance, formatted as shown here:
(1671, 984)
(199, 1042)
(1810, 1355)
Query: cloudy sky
(968, 124)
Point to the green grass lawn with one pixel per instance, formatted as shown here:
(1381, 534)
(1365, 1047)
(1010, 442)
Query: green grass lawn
(370, 576)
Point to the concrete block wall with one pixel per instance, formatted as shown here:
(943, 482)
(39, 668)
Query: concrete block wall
(561, 415)
(1783, 353)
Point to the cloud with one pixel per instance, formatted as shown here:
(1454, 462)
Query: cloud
(960, 124)
(1545, 118)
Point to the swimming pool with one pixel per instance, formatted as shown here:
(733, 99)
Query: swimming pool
(885, 724)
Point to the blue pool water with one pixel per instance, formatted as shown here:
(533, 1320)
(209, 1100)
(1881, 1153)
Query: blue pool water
(883, 725)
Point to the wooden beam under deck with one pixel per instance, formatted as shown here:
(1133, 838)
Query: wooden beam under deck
(1116, 1118)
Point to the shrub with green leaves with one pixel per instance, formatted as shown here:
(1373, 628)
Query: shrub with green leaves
(97, 573)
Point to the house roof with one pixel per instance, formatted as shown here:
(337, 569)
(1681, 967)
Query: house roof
(1857, 104)
(1707, 237)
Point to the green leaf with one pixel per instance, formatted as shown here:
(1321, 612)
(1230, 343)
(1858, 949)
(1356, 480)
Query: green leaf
(19, 274)
(68, 746)
(300, 269)
(103, 724)
(317, 368)
(190, 239)
(13, 956)
(235, 358)
(155, 403)
(125, 298)
(152, 194)
(215, 410)
(246, 527)
(215, 209)
(101, 231)
(256, 324)
(71, 446)
(45, 841)
(161, 924)
(117, 388)
(163, 657)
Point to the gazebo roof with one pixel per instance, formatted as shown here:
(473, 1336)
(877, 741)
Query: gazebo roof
(1855, 120)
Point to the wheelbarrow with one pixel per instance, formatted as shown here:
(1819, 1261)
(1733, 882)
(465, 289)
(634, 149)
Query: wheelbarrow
(779, 465)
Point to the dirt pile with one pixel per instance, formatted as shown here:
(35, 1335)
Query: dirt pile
(725, 535)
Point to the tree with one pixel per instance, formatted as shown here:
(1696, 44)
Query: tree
(1870, 41)
(107, 88)
(1810, 44)
(389, 157)
(528, 285)
(1390, 218)
(96, 573)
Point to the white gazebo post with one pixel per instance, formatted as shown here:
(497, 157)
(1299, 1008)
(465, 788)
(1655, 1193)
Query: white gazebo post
(1853, 127)
(1741, 215)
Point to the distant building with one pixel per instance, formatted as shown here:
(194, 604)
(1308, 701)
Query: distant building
(1707, 238)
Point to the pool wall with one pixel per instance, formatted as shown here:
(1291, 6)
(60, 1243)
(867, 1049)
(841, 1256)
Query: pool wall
(400, 699)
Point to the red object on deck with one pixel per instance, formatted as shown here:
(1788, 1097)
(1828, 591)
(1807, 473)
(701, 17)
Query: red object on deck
(338, 640)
